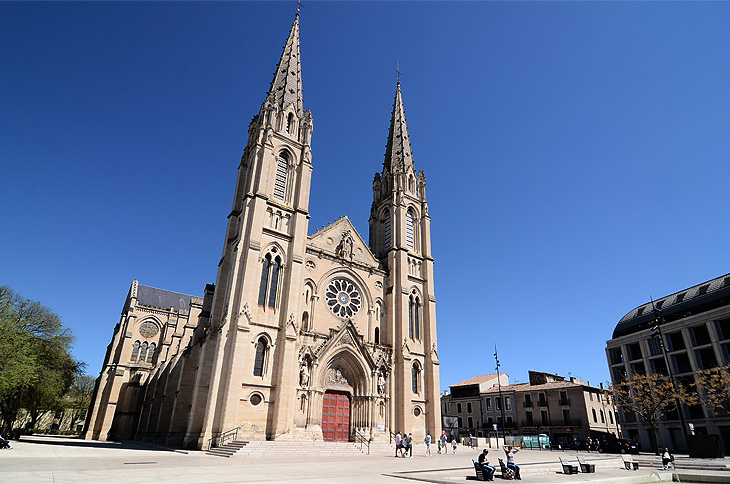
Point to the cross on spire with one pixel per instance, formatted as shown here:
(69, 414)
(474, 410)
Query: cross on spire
(299, 5)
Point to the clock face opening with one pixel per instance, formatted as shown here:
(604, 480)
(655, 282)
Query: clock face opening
(343, 298)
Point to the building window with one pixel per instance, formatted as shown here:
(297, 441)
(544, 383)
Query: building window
(461, 423)
(488, 403)
(528, 418)
(135, 350)
(415, 378)
(544, 417)
(470, 422)
(143, 352)
(541, 400)
(633, 351)
(290, 123)
(468, 407)
(497, 403)
(595, 418)
(282, 167)
(269, 281)
(414, 330)
(507, 403)
(386, 231)
(566, 417)
(675, 341)
(590, 396)
(528, 400)
(699, 335)
(262, 350)
(409, 230)
(377, 336)
(509, 419)
(458, 408)
(655, 348)
(610, 417)
(603, 418)
(151, 355)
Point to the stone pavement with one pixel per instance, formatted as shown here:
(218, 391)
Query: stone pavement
(59, 460)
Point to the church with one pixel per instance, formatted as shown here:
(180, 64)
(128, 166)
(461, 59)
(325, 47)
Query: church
(302, 337)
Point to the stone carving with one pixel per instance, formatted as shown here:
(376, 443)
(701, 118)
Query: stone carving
(381, 384)
(291, 327)
(347, 339)
(378, 284)
(344, 248)
(406, 349)
(310, 265)
(434, 353)
(304, 374)
(335, 376)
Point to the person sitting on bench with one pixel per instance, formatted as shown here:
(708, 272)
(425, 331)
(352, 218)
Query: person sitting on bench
(510, 453)
(489, 470)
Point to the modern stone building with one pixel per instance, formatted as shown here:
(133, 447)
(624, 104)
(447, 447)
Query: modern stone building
(565, 410)
(695, 324)
(302, 337)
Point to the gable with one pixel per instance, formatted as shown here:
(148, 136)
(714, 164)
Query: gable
(341, 240)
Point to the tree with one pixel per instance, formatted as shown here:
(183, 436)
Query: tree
(37, 366)
(712, 389)
(78, 399)
(649, 397)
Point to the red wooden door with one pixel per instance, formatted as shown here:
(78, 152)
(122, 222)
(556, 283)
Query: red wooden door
(336, 417)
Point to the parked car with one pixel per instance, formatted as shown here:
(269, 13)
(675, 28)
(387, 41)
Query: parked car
(618, 446)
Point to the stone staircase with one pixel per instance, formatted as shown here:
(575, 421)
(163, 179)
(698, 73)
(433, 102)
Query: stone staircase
(228, 449)
(278, 449)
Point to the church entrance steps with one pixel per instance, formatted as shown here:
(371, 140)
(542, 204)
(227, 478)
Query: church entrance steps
(279, 449)
(228, 449)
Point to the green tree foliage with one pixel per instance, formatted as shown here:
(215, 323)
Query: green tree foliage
(78, 399)
(35, 350)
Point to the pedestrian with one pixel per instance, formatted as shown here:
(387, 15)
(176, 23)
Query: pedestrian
(438, 446)
(409, 445)
(471, 441)
(427, 440)
(398, 444)
(443, 441)
(453, 444)
(666, 459)
(510, 453)
(589, 444)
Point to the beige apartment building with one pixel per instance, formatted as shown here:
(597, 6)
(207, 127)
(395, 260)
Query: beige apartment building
(302, 337)
(566, 410)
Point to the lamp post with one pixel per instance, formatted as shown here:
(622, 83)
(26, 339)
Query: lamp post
(501, 400)
(657, 330)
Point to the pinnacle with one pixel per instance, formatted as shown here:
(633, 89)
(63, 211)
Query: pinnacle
(286, 87)
(398, 148)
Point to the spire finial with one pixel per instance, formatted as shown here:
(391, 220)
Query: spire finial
(397, 71)
(299, 5)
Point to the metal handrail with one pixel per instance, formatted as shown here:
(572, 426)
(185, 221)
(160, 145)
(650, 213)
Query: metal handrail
(221, 439)
(360, 439)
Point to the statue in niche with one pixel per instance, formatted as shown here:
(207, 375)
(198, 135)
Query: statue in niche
(304, 374)
(344, 248)
(381, 383)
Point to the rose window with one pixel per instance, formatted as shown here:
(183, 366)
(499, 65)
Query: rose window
(342, 298)
(148, 329)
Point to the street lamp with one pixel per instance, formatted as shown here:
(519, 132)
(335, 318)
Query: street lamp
(501, 400)
(657, 330)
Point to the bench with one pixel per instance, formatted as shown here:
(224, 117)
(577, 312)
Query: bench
(481, 475)
(584, 466)
(507, 473)
(629, 462)
(568, 468)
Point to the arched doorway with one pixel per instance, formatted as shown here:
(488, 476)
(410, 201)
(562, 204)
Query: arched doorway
(336, 416)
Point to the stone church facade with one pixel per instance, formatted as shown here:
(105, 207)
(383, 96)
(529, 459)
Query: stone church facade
(302, 337)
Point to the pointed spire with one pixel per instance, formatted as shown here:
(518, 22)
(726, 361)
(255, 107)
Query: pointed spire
(286, 87)
(398, 149)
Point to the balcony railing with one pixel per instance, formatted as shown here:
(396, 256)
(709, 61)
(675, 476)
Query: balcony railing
(527, 404)
(542, 403)
(564, 401)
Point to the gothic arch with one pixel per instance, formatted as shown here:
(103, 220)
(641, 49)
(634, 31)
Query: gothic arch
(279, 252)
(353, 366)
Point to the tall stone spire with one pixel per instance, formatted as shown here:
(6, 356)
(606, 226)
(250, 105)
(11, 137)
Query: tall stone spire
(286, 87)
(398, 156)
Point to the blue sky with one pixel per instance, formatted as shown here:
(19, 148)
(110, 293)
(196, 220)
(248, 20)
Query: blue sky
(576, 154)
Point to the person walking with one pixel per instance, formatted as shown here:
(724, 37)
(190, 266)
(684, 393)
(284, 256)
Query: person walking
(453, 444)
(409, 445)
(444, 440)
(398, 445)
(666, 459)
(427, 440)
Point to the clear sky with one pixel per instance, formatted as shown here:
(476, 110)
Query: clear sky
(576, 154)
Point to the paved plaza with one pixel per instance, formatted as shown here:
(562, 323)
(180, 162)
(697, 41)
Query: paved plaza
(59, 460)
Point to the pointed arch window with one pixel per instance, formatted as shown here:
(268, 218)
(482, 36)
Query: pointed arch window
(410, 222)
(282, 167)
(414, 324)
(269, 281)
(143, 352)
(416, 378)
(135, 350)
(290, 123)
(262, 351)
(153, 348)
(386, 231)
(377, 336)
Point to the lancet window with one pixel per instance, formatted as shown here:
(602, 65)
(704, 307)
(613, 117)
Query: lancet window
(271, 267)
(262, 353)
(282, 169)
(414, 323)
